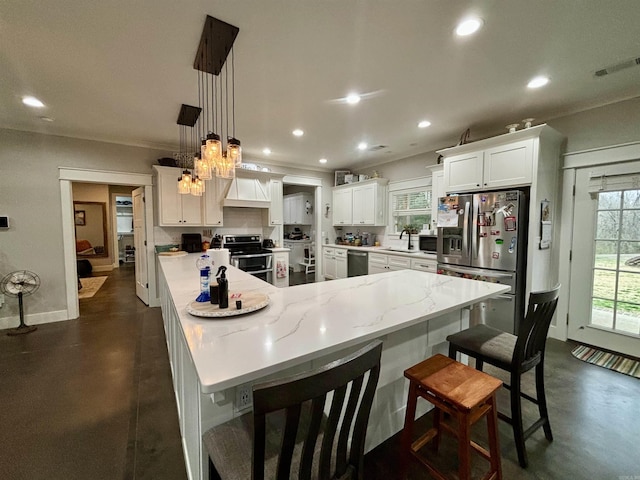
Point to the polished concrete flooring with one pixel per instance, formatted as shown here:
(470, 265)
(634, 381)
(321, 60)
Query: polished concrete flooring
(91, 399)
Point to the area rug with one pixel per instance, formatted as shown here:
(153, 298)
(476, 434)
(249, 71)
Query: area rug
(611, 361)
(90, 285)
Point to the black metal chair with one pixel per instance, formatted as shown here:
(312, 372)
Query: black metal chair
(289, 436)
(516, 355)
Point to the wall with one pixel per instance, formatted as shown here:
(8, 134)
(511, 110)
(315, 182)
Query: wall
(34, 241)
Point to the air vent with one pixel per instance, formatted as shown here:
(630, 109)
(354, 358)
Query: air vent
(375, 148)
(617, 67)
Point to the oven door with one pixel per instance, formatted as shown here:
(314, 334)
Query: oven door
(257, 264)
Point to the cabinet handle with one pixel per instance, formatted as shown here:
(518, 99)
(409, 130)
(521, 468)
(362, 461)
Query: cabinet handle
(477, 184)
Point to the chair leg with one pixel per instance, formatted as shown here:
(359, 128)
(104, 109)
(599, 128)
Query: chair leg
(516, 419)
(464, 447)
(453, 353)
(407, 432)
(542, 401)
(479, 364)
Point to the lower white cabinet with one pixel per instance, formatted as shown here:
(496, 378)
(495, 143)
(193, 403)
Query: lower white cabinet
(280, 273)
(334, 261)
(380, 263)
(424, 265)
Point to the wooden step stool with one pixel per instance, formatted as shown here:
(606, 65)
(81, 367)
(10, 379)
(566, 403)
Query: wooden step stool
(464, 393)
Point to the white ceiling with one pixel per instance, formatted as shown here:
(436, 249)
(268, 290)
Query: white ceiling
(118, 70)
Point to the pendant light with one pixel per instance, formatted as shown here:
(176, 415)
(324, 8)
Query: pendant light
(184, 181)
(234, 150)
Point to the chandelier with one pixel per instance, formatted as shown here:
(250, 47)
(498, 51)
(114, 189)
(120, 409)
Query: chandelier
(215, 97)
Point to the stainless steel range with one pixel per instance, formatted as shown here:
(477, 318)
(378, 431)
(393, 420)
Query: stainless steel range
(247, 254)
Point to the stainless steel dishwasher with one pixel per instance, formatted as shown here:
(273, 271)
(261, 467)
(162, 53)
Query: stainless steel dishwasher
(357, 263)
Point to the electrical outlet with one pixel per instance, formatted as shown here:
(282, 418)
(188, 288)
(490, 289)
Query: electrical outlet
(244, 397)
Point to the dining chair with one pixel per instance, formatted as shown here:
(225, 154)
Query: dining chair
(515, 354)
(288, 434)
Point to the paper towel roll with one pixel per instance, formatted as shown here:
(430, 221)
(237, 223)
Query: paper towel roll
(220, 256)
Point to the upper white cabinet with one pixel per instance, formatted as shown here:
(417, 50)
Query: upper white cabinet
(362, 203)
(175, 209)
(505, 161)
(298, 209)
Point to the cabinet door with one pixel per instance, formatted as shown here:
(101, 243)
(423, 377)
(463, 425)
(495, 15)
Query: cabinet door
(396, 262)
(508, 165)
(296, 210)
(191, 210)
(463, 173)
(364, 205)
(377, 263)
(169, 201)
(377, 268)
(341, 267)
(213, 201)
(286, 214)
(329, 263)
(342, 206)
(424, 265)
(276, 210)
(281, 269)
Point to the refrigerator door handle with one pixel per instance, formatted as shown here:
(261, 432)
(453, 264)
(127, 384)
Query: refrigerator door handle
(475, 243)
(476, 272)
(465, 231)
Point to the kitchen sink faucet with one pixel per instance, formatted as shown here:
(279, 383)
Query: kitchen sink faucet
(409, 245)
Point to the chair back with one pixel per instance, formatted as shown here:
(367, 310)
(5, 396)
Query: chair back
(345, 419)
(533, 331)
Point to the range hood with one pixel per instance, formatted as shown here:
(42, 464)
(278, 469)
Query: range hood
(247, 192)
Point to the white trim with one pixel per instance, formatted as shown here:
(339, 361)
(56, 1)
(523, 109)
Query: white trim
(417, 182)
(300, 180)
(34, 319)
(69, 175)
(603, 155)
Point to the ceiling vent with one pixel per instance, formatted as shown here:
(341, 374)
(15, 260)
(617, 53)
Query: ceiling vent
(617, 67)
(375, 148)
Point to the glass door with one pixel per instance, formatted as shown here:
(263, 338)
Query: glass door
(604, 305)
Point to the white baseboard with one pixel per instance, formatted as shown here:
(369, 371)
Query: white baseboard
(34, 319)
(557, 333)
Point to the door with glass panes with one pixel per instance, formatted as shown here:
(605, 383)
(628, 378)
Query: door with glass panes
(604, 303)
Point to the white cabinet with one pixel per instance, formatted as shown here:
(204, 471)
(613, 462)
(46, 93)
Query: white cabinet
(380, 263)
(296, 253)
(343, 206)
(502, 166)
(298, 209)
(334, 261)
(424, 265)
(276, 212)
(341, 263)
(280, 269)
(360, 204)
(175, 209)
(216, 189)
(329, 266)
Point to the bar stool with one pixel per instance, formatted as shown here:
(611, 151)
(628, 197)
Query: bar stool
(464, 393)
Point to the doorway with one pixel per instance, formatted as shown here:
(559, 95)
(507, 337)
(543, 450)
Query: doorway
(604, 297)
(67, 177)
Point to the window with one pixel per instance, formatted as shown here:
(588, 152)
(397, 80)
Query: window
(410, 207)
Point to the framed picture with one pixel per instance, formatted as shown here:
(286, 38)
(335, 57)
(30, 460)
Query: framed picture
(79, 217)
(340, 177)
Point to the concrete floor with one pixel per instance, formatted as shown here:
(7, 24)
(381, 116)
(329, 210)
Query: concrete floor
(91, 399)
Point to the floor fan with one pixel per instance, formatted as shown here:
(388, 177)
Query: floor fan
(19, 284)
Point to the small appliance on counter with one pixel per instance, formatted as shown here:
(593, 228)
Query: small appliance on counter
(191, 242)
(216, 242)
(296, 234)
(268, 243)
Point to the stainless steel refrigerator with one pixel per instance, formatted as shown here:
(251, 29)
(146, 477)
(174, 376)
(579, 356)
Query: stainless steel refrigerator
(483, 236)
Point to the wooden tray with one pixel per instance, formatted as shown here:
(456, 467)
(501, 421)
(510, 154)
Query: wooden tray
(251, 301)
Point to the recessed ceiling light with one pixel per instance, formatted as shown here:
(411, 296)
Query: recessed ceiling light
(362, 146)
(32, 102)
(323, 160)
(468, 26)
(353, 98)
(538, 82)
(424, 124)
(266, 151)
(297, 132)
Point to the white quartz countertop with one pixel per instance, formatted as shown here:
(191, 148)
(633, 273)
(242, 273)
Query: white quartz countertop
(308, 321)
(385, 250)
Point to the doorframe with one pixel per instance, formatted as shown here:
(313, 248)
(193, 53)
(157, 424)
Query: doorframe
(68, 175)
(614, 154)
(317, 212)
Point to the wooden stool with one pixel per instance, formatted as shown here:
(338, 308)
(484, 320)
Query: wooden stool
(464, 393)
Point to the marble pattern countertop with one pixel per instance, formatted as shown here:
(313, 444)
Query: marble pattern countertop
(308, 321)
(385, 250)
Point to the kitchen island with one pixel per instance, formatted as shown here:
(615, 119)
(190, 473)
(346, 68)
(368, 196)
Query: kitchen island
(215, 361)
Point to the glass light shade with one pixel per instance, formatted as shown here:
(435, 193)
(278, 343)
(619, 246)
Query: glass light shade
(202, 167)
(196, 187)
(213, 149)
(184, 183)
(234, 151)
(226, 168)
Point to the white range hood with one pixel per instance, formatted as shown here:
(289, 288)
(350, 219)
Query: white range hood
(247, 192)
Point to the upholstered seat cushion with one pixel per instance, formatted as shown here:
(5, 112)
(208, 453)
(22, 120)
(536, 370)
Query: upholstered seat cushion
(495, 345)
(230, 447)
